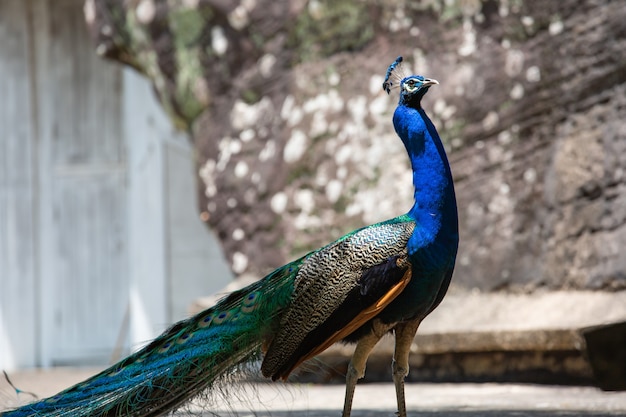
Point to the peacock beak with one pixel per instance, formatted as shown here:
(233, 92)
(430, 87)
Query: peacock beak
(429, 81)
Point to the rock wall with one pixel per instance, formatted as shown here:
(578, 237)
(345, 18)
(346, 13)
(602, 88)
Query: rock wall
(295, 142)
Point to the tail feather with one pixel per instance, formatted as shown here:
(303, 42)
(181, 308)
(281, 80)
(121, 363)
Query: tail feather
(182, 362)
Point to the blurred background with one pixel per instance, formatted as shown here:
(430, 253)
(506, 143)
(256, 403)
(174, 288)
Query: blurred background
(151, 151)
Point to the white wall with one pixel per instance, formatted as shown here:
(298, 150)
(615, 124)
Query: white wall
(169, 243)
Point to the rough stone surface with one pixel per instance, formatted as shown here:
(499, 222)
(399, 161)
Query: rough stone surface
(294, 136)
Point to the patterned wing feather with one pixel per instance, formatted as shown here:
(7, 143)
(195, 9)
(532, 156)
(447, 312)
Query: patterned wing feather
(337, 289)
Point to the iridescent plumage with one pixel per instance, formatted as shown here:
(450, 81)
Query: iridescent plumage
(381, 278)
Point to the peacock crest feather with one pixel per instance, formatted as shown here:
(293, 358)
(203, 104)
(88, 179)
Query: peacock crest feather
(395, 73)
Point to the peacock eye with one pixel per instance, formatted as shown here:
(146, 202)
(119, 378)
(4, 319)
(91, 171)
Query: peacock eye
(411, 85)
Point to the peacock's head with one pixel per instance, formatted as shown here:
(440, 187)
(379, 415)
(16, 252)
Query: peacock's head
(412, 88)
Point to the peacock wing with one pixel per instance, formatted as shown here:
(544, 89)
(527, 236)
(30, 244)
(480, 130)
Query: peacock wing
(337, 290)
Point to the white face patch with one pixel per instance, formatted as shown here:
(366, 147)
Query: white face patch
(412, 84)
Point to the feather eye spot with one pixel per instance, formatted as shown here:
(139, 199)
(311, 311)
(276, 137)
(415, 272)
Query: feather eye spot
(184, 338)
(206, 321)
(250, 299)
(166, 346)
(221, 317)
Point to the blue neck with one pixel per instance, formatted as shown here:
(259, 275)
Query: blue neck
(434, 209)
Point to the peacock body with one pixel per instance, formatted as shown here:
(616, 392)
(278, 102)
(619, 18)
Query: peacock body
(382, 278)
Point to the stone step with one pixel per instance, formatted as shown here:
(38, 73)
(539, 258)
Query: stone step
(536, 337)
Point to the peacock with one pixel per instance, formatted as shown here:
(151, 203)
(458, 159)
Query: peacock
(382, 278)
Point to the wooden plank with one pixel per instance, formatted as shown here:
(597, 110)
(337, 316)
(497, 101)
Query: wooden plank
(84, 272)
(84, 91)
(90, 272)
(18, 326)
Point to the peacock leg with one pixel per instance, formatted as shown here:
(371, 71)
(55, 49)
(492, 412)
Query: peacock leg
(405, 332)
(356, 368)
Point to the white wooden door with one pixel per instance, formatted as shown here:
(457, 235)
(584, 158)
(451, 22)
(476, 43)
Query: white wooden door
(83, 189)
